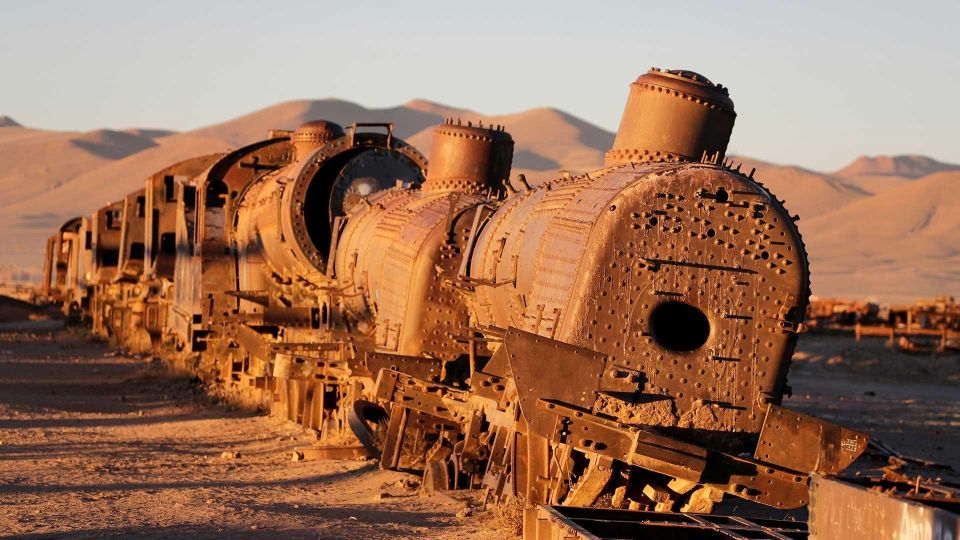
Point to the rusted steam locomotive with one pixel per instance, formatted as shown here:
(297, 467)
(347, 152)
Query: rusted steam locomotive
(620, 337)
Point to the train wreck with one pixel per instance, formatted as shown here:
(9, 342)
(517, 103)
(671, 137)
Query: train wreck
(611, 349)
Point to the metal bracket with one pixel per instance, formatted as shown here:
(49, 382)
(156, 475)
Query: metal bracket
(807, 444)
(352, 131)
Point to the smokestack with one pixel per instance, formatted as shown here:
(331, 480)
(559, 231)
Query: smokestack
(468, 158)
(312, 135)
(674, 115)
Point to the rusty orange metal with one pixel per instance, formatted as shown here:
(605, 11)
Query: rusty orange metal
(620, 335)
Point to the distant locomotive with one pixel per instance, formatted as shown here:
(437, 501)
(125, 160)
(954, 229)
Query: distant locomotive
(623, 335)
(259, 314)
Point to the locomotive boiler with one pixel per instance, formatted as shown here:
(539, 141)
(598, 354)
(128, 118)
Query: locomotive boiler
(258, 311)
(398, 257)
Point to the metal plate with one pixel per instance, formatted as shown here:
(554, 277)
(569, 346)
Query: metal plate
(551, 370)
(804, 443)
(843, 511)
(578, 523)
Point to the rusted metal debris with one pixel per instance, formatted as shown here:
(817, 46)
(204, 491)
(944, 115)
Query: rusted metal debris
(620, 336)
(925, 326)
(309, 453)
(848, 510)
(837, 313)
(572, 523)
(839, 510)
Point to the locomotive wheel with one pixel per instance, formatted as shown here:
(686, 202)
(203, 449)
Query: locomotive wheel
(436, 477)
(369, 421)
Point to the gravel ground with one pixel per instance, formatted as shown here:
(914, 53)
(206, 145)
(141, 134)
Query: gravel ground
(94, 445)
(98, 445)
(909, 401)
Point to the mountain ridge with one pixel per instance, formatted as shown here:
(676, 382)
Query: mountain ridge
(911, 166)
(6, 121)
(860, 231)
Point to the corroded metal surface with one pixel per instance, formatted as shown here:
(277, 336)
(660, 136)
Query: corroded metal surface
(673, 115)
(564, 523)
(63, 281)
(620, 337)
(105, 256)
(842, 510)
(698, 294)
(791, 438)
(312, 135)
(263, 313)
(132, 237)
(929, 325)
(137, 288)
(204, 267)
(469, 158)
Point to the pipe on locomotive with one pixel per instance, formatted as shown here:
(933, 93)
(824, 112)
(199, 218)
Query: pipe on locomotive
(468, 158)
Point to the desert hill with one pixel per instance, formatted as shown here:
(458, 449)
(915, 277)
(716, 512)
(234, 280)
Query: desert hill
(874, 174)
(546, 141)
(903, 240)
(252, 127)
(96, 173)
(571, 141)
(883, 226)
(6, 121)
(807, 193)
(439, 109)
(150, 133)
(906, 166)
(34, 161)
(111, 181)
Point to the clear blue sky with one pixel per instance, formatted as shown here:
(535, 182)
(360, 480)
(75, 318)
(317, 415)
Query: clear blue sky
(815, 83)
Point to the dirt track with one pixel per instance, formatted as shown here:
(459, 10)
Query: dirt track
(94, 445)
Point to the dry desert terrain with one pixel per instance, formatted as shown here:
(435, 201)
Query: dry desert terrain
(99, 445)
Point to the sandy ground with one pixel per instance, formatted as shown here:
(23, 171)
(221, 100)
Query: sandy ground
(909, 401)
(94, 445)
